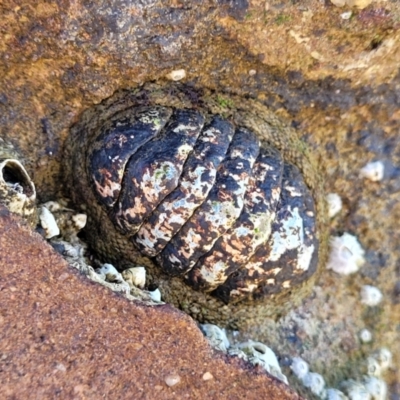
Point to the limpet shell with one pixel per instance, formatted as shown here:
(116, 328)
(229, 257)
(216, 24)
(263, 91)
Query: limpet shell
(220, 200)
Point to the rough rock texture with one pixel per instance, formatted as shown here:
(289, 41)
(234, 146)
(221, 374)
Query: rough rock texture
(63, 336)
(334, 75)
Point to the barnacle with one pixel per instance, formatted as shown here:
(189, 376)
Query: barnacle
(220, 201)
(17, 191)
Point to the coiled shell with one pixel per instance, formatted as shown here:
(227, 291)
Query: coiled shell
(220, 203)
(17, 190)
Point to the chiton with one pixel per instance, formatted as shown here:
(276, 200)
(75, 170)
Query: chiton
(216, 196)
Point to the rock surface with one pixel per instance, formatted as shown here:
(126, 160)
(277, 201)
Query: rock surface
(335, 76)
(63, 336)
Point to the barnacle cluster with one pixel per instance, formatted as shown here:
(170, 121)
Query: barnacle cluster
(60, 225)
(370, 387)
(256, 353)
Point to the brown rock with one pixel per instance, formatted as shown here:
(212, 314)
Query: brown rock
(64, 336)
(59, 59)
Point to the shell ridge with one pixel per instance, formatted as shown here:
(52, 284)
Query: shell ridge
(116, 144)
(250, 231)
(196, 181)
(155, 170)
(223, 205)
(291, 253)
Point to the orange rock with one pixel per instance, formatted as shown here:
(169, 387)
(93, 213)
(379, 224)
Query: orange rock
(62, 335)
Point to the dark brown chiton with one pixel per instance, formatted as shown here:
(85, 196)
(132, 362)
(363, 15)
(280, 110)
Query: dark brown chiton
(221, 205)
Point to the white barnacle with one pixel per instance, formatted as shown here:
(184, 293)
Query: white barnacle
(110, 272)
(155, 295)
(335, 394)
(373, 367)
(370, 295)
(100, 275)
(315, 382)
(346, 15)
(235, 352)
(79, 221)
(373, 171)
(176, 75)
(365, 335)
(384, 357)
(334, 204)
(260, 354)
(135, 276)
(70, 250)
(299, 367)
(376, 387)
(355, 390)
(48, 223)
(216, 336)
(346, 255)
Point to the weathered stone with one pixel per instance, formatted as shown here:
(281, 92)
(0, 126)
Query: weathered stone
(76, 339)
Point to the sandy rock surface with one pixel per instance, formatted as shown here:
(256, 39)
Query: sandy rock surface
(64, 336)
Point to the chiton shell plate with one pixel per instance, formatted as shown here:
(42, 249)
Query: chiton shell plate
(224, 205)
